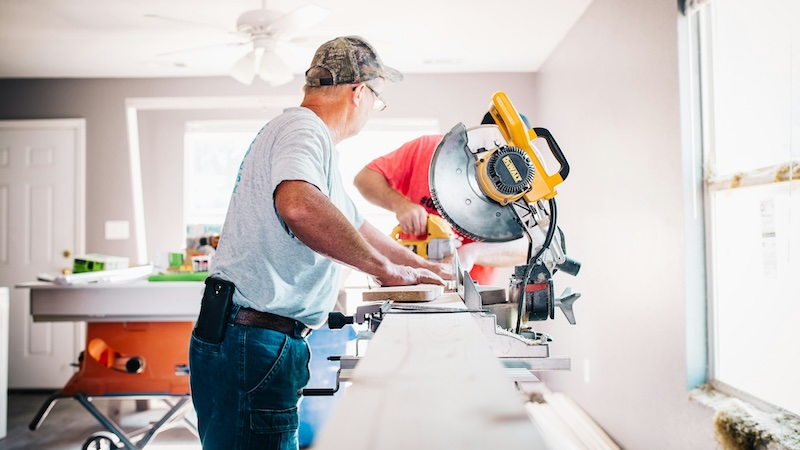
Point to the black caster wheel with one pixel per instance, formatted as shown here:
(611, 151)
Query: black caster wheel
(102, 441)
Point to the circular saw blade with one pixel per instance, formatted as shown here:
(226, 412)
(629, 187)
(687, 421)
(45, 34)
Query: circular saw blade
(456, 192)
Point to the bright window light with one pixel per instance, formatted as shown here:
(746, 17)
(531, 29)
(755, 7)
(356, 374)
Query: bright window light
(213, 153)
(214, 150)
(752, 69)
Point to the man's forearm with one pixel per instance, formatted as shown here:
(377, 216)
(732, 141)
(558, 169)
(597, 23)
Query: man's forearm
(375, 189)
(312, 218)
(498, 254)
(322, 227)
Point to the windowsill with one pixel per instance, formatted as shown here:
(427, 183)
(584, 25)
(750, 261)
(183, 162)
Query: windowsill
(741, 425)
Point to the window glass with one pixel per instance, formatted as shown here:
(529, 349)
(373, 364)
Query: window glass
(214, 151)
(378, 138)
(753, 132)
(755, 83)
(756, 245)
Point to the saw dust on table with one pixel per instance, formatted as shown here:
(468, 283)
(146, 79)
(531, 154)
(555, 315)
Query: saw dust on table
(415, 293)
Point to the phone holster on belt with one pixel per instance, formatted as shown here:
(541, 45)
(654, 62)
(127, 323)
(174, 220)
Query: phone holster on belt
(214, 310)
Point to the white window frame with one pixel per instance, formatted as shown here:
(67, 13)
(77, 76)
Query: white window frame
(785, 171)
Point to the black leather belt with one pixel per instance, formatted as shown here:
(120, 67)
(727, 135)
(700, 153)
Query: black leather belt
(253, 318)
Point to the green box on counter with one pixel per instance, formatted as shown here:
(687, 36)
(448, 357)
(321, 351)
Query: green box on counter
(94, 262)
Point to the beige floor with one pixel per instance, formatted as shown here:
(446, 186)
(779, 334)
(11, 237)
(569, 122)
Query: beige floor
(69, 424)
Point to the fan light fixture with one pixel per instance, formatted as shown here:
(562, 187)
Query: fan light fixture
(266, 30)
(262, 61)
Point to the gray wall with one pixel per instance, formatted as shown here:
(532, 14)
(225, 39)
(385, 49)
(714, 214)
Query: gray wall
(449, 98)
(610, 95)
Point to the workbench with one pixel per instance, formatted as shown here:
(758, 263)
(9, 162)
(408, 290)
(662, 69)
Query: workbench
(134, 301)
(147, 323)
(430, 381)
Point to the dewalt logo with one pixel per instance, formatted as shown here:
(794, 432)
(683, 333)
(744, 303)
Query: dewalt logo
(512, 169)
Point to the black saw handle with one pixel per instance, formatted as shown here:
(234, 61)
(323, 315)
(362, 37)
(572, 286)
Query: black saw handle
(555, 150)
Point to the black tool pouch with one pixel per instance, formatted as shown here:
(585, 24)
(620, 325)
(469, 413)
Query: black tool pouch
(214, 310)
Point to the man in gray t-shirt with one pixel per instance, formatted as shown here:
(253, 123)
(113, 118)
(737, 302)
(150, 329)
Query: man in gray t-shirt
(289, 227)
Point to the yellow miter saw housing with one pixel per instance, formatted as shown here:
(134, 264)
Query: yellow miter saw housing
(491, 184)
(509, 172)
(437, 245)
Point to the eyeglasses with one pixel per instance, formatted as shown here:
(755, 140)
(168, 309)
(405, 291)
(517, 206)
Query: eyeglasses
(380, 103)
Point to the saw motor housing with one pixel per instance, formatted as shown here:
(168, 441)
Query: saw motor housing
(542, 185)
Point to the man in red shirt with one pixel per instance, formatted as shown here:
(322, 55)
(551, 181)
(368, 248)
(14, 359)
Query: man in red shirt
(398, 181)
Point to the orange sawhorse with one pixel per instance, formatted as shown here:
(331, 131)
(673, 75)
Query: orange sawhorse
(130, 360)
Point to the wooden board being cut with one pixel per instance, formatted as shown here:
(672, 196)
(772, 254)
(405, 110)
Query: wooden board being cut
(430, 382)
(415, 293)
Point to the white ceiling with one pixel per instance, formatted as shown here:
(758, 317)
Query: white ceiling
(114, 38)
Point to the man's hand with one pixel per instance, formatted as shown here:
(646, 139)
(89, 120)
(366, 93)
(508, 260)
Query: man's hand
(467, 254)
(446, 270)
(413, 218)
(406, 275)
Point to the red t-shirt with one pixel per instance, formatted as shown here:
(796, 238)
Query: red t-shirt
(406, 170)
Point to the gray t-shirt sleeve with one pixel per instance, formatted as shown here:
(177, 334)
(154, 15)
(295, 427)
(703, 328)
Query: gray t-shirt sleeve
(307, 154)
(303, 156)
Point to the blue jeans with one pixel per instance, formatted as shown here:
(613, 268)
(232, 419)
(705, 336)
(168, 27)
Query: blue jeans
(245, 389)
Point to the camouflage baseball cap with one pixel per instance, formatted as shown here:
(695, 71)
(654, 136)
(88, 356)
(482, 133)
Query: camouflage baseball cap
(349, 59)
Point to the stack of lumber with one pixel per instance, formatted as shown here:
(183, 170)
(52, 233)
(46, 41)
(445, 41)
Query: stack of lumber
(566, 426)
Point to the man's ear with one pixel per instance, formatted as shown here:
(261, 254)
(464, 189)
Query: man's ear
(358, 94)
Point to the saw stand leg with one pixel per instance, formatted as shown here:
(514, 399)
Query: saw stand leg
(116, 437)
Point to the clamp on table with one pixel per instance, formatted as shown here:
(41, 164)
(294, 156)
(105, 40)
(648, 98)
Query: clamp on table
(372, 314)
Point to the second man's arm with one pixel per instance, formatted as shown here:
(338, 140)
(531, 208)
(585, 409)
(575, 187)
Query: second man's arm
(374, 187)
(322, 227)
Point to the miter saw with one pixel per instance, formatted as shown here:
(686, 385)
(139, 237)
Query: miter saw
(491, 184)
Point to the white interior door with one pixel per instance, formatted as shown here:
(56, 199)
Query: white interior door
(42, 192)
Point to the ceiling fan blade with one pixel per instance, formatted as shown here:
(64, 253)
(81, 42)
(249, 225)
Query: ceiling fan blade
(297, 20)
(274, 70)
(204, 47)
(190, 22)
(244, 70)
(307, 41)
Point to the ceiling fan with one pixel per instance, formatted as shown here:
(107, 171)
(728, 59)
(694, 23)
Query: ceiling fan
(265, 30)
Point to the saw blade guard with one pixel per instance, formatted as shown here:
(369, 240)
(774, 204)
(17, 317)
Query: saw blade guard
(456, 191)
